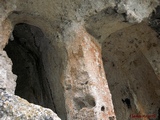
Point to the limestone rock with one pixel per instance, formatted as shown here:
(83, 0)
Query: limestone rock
(136, 10)
(85, 84)
(83, 59)
(7, 78)
(132, 70)
(15, 108)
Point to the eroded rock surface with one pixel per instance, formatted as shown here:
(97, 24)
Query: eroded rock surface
(132, 70)
(15, 108)
(87, 94)
(82, 59)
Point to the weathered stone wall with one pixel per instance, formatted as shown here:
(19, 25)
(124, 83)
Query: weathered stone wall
(132, 70)
(72, 43)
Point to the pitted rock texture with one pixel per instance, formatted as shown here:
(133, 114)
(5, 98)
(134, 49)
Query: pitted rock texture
(15, 108)
(132, 70)
(60, 44)
(137, 10)
(85, 79)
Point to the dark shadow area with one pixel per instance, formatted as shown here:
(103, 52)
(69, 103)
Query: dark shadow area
(127, 102)
(29, 64)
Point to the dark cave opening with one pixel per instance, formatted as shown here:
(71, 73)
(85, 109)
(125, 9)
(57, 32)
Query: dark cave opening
(29, 64)
(127, 102)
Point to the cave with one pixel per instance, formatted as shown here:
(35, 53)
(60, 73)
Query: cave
(129, 58)
(36, 62)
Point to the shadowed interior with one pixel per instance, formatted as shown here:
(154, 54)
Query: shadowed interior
(30, 52)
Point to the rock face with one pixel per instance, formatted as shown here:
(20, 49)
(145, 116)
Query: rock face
(14, 108)
(134, 60)
(81, 60)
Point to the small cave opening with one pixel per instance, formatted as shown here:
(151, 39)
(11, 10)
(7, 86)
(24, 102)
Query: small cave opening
(37, 77)
(127, 102)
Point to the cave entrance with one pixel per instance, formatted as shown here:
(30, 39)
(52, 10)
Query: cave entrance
(35, 83)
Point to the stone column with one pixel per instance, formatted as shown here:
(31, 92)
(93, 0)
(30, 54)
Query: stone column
(86, 89)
